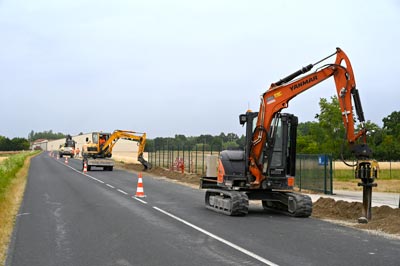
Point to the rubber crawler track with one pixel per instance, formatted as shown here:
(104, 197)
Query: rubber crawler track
(239, 202)
(300, 205)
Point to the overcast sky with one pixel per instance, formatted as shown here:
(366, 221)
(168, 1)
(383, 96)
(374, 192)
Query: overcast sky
(181, 66)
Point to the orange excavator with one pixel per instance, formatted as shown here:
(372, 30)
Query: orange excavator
(265, 170)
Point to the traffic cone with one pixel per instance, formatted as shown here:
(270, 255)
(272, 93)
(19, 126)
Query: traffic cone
(84, 167)
(66, 160)
(140, 191)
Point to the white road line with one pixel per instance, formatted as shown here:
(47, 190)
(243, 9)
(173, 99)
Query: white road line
(108, 185)
(226, 242)
(95, 179)
(142, 201)
(123, 192)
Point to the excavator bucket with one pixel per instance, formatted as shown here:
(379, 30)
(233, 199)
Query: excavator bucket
(147, 165)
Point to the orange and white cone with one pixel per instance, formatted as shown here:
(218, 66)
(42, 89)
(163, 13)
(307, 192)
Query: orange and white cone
(140, 191)
(66, 160)
(84, 167)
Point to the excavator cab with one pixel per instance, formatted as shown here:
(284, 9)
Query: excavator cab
(279, 165)
(279, 154)
(94, 148)
(278, 160)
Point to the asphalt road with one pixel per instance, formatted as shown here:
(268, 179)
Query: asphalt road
(68, 218)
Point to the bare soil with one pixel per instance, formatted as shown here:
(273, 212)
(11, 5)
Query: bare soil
(384, 219)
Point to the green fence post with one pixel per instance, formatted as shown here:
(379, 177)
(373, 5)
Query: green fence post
(300, 172)
(155, 156)
(167, 155)
(196, 160)
(183, 155)
(189, 160)
(331, 174)
(163, 163)
(159, 156)
(203, 159)
(325, 176)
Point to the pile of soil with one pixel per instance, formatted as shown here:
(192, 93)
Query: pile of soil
(188, 178)
(384, 219)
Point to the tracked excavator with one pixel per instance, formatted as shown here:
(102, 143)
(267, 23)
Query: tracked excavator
(99, 151)
(265, 170)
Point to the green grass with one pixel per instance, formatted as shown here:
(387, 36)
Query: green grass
(348, 175)
(9, 168)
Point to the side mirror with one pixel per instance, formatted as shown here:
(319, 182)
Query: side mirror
(242, 119)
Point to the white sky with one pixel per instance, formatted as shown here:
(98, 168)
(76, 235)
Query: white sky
(183, 67)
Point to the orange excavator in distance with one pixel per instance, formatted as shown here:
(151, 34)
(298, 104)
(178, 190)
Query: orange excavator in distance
(265, 170)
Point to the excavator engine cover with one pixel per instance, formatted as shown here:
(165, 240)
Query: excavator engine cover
(233, 163)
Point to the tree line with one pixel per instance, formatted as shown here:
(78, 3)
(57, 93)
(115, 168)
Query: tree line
(49, 135)
(19, 144)
(15, 144)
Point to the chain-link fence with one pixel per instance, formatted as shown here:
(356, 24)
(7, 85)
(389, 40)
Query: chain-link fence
(181, 159)
(313, 172)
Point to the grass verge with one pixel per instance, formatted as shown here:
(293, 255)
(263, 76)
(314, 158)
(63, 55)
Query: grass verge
(13, 177)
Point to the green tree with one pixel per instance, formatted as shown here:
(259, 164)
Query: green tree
(387, 140)
(16, 144)
(391, 123)
(19, 144)
(5, 144)
(331, 125)
(50, 135)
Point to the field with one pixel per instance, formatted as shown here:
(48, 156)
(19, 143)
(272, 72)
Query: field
(388, 178)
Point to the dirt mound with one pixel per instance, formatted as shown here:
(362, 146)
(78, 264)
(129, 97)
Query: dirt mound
(384, 218)
(189, 178)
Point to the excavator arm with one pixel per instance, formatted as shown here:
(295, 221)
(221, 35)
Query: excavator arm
(128, 135)
(279, 94)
